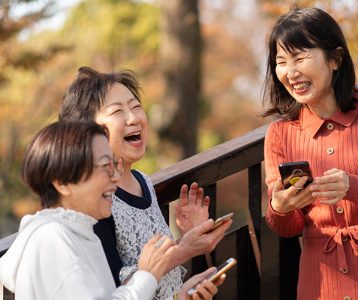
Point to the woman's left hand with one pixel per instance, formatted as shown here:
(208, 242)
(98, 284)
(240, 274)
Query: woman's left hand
(204, 288)
(331, 187)
(192, 207)
(156, 256)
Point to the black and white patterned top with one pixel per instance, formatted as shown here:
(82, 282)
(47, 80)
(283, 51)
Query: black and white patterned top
(137, 219)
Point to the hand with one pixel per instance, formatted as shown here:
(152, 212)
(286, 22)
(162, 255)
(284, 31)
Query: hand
(193, 210)
(198, 241)
(154, 257)
(331, 187)
(205, 289)
(286, 200)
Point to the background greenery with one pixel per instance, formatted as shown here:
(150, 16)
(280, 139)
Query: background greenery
(37, 63)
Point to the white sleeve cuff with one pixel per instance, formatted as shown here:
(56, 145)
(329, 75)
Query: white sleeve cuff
(141, 286)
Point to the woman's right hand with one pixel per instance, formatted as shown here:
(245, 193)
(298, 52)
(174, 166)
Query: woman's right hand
(154, 257)
(204, 288)
(294, 197)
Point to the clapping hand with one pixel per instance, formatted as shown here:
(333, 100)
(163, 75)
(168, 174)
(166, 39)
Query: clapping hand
(161, 254)
(192, 207)
(154, 257)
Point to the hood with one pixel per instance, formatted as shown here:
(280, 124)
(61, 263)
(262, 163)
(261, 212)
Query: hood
(79, 223)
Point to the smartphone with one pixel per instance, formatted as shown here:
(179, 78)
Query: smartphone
(221, 220)
(223, 268)
(293, 171)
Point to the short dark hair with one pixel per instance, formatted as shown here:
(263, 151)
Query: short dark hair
(61, 151)
(307, 28)
(85, 96)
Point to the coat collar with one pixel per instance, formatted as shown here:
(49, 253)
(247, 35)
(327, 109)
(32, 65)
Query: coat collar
(311, 123)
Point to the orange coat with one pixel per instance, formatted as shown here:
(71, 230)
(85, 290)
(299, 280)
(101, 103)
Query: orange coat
(329, 259)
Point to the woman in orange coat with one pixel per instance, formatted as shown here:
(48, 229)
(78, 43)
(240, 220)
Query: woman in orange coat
(310, 87)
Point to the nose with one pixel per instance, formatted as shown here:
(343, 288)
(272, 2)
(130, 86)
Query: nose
(292, 71)
(131, 118)
(115, 175)
(117, 170)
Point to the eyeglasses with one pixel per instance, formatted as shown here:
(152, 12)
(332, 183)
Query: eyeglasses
(111, 165)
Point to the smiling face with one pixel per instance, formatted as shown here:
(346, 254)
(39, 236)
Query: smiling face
(93, 196)
(127, 123)
(307, 76)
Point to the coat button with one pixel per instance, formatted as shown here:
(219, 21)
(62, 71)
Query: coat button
(339, 209)
(330, 126)
(330, 151)
(347, 298)
(344, 270)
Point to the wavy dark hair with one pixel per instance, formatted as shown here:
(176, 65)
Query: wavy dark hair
(61, 151)
(307, 28)
(85, 96)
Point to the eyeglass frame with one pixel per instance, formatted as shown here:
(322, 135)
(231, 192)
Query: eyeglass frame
(113, 163)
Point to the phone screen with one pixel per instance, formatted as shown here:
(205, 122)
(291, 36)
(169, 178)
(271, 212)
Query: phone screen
(293, 171)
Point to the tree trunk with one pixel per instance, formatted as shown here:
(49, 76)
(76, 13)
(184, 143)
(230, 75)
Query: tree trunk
(181, 65)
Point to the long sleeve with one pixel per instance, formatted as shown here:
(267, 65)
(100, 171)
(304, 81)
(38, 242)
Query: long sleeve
(289, 224)
(141, 286)
(81, 285)
(56, 255)
(353, 187)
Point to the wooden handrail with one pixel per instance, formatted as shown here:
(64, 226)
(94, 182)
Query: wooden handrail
(211, 165)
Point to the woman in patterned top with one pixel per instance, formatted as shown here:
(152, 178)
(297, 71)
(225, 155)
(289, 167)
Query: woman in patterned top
(113, 99)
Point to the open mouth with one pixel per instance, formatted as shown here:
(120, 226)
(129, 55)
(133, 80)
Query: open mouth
(108, 195)
(133, 137)
(301, 86)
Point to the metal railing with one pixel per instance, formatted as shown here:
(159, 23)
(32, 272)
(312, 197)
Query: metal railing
(267, 266)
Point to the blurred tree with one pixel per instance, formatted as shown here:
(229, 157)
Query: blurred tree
(181, 64)
(113, 34)
(107, 35)
(233, 59)
(12, 51)
(16, 56)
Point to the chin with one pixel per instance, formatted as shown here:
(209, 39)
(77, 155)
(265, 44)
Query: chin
(104, 216)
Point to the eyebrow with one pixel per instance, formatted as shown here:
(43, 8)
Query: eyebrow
(104, 156)
(129, 101)
(294, 54)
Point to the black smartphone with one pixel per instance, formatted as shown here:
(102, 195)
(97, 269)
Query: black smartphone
(291, 172)
(223, 268)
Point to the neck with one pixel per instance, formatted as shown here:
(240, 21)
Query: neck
(128, 182)
(324, 109)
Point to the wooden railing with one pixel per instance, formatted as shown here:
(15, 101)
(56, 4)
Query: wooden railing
(267, 265)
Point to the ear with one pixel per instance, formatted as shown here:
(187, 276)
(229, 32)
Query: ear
(337, 57)
(62, 188)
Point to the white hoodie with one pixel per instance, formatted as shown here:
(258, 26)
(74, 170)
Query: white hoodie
(56, 255)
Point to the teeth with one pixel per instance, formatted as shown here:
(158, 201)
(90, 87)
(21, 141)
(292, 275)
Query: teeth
(301, 86)
(133, 134)
(108, 195)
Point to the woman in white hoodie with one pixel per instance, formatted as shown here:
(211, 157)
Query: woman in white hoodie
(56, 254)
